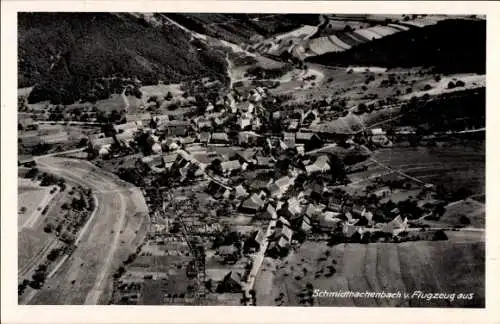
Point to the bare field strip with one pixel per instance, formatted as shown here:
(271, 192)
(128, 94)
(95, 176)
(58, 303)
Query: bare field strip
(405, 267)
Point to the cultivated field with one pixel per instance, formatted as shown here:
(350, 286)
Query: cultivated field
(453, 167)
(406, 267)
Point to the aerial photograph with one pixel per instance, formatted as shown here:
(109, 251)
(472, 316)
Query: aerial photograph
(213, 159)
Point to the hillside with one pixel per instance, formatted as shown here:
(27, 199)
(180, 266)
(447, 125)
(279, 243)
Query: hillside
(63, 54)
(240, 28)
(449, 46)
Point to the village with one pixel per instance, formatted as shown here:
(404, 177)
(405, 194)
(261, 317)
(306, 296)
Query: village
(239, 183)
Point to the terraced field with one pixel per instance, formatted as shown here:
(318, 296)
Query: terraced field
(430, 267)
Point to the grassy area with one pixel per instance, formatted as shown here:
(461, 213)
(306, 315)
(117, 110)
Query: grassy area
(407, 267)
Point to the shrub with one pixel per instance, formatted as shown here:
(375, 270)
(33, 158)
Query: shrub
(451, 85)
(460, 83)
(439, 235)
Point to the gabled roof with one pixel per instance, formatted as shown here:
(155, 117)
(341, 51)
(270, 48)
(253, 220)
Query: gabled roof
(294, 206)
(253, 202)
(240, 191)
(230, 165)
(300, 136)
(285, 222)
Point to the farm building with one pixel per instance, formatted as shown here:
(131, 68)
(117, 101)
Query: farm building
(321, 165)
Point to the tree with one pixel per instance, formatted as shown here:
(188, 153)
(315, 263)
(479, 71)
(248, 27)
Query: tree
(48, 228)
(169, 96)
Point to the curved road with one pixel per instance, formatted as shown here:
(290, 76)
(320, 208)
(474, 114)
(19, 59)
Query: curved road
(82, 277)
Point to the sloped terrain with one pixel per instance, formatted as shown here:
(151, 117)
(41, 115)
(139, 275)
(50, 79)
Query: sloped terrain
(449, 46)
(238, 28)
(63, 54)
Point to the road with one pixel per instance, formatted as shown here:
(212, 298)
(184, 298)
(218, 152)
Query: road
(257, 260)
(96, 251)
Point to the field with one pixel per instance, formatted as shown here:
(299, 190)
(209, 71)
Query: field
(115, 102)
(430, 267)
(474, 211)
(460, 165)
(31, 196)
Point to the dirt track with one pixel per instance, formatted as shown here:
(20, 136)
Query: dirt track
(104, 241)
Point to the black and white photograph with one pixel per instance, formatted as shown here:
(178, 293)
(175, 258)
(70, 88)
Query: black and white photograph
(251, 159)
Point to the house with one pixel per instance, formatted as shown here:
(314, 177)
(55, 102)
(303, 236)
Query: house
(283, 222)
(244, 122)
(382, 192)
(289, 139)
(329, 220)
(246, 106)
(232, 283)
(321, 165)
(311, 141)
(313, 211)
(204, 137)
(175, 127)
(255, 241)
(252, 205)
(305, 224)
(349, 230)
(294, 207)
(247, 156)
(293, 126)
(264, 162)
(309, 117)
(220, 138)
(270, 212)
(283, 232)
(248, 138)
(240, 191)
(228, 252)
(280, 186)
(278, 248)
(230, 167)
(142, 117)
(203, 123)
(217, 188)
(395, 226)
